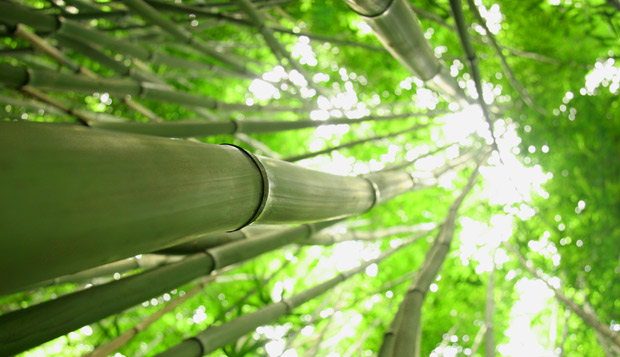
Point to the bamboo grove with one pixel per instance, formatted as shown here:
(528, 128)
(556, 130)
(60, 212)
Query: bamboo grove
(137, 169)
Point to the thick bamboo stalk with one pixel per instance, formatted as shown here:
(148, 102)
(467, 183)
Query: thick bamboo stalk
(126, 204)
(590, 319)
(22, 76)
(216, 337)
(354, 142)
(179, 33)
(24, 329)
(198, 128)
(403, 338)
(397, 28)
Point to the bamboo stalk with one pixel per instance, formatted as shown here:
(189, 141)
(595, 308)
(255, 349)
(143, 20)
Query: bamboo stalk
(489, 335)
(396, 27)
(148, 261)
(590, 319)
(24, 329)
(512, 79)
(99, 199)
(22, 76)
(128, 335)
(216, 337)
(472, 61)
(198, 128)
(353, 143)
(403, 337)
(276, 47)
(420, 230)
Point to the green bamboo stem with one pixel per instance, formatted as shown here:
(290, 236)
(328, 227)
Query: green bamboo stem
(199, 128)
(21, 76)
(24, 329)
(326, 238)
(403, 337)
(30, 104)
(397, 28)
(216, 337)
(489, 312)
(14, 14)
(590, 319)
(512, 79)
(148, 261)
(179, 33)
(478, 339)
(216, 189)
(353, 143)
(43, 46)
(472, 60)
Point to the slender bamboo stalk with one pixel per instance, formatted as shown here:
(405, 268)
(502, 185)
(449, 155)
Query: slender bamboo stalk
(24, 329)
(354, 142)
(498, 51)
(14, 14)
(198, 128)
(179, 33)
(128, 335)
(409, 163)
(22, 76)
(216, 337)
(403, 337)
(148, 261)
(420, 230)
(489, 336)
(396, 27)
(590, 319)
(478, 339)
(276, 47)
(30, 104)
(472, 61)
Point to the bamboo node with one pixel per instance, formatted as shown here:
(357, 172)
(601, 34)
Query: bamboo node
(265, 185)
(376, 192)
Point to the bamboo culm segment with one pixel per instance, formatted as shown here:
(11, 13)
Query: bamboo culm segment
(196, 128)
(27, 328)
(107, 196)
(403, 337)
(397, 28)
(216, 337)
(53, 80)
